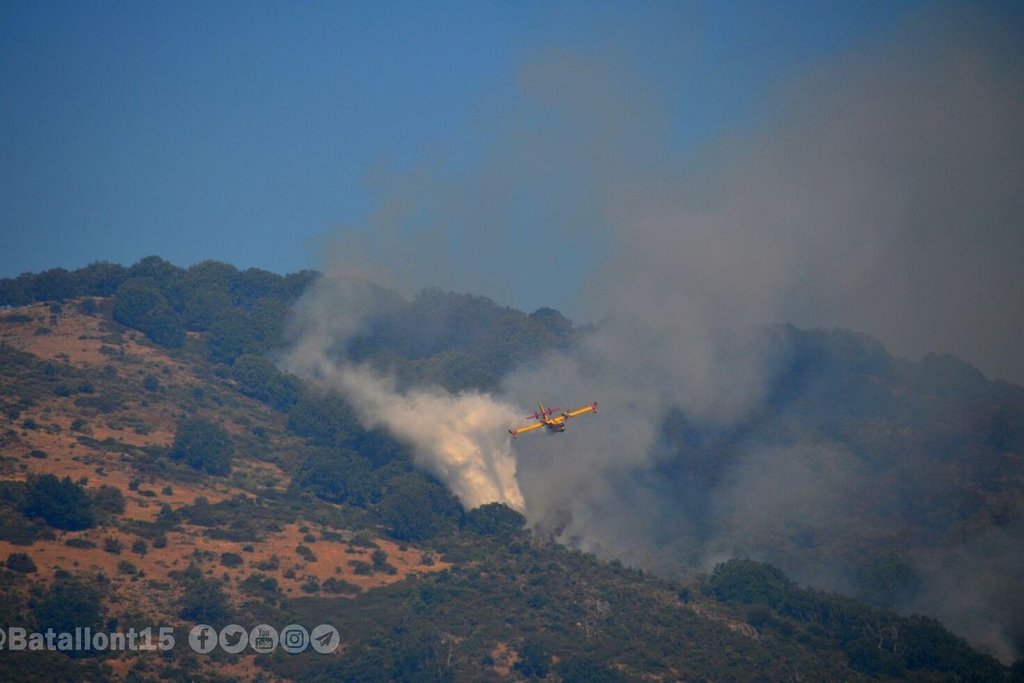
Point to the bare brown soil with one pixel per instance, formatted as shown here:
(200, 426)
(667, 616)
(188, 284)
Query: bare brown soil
(504, 658)
(141, 583)
(71, 336)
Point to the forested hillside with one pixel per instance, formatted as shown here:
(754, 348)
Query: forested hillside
(158, 468)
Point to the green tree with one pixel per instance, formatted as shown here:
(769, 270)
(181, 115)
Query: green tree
(534, 659)
(204, 306)
(141, 304)
(99, 278)
(416, 508)
(340, 476)
(203, 600)
(235, 333)
(750, 582)
(323, 420)
(253, 284)
(63, 503)
(420, 656)
(21, 563)
(203, 445)
(161, 272)
(553, 321)
(494, 519)
(260, 379)
(69, 603)
(55, 284)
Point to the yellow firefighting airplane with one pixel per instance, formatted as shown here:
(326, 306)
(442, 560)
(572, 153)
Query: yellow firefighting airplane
(555, 424)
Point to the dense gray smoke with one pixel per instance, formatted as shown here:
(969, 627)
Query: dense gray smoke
(886, 197)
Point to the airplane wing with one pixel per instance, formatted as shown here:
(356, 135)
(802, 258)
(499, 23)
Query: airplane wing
(527, 428)
(592, 408)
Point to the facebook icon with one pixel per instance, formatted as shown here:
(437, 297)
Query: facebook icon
(202, 638)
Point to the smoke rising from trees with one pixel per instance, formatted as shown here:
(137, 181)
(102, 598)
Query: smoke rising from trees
(885, 196)
(460, 439)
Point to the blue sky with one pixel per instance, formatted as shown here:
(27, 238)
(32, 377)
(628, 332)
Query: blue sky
(250, 131)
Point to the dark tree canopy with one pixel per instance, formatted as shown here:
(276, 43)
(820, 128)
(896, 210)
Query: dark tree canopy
(204, 446)
(203, 600)
(340, 476)
(141, 304)
(63, 503)
(260, 379)
(534, 659)
(71, 602)
(876, 642)
(416, 508)
(494, 519)
(323, 420)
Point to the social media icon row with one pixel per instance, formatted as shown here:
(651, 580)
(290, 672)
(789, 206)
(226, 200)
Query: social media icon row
(263, 639)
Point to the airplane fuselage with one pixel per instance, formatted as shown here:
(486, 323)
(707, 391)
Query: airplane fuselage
(555, 425)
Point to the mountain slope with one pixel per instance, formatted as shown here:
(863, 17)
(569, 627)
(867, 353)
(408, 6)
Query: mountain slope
(308, 517)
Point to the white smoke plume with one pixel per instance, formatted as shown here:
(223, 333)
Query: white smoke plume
(461, 439)
(885, 196)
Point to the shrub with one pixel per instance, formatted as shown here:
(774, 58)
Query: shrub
(259, 584)
(108, 500)
(87, 306)
(361, 568)
(361, 540)
(230, 559)
(269, 565)
(112, 546)
(380, 558)
(340, 586)
(21, 563)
